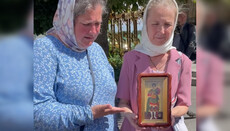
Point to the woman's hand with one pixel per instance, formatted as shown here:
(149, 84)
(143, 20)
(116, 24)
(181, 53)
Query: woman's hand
(179, 111)
(128, 114)
(133, 118)
(103, 110)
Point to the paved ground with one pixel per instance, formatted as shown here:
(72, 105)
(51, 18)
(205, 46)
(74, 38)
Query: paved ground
(191, 122)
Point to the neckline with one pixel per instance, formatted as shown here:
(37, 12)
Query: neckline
(166, 64)
(156, 71)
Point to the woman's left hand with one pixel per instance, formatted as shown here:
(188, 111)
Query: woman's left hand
(179, 111)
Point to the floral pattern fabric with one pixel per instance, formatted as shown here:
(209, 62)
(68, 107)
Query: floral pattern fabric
(63, 87)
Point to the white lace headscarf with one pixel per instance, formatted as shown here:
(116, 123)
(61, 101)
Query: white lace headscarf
(145, 45)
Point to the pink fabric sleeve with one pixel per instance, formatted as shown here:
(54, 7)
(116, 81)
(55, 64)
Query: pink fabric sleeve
(124, 83)
(184, 87)
(213, 88)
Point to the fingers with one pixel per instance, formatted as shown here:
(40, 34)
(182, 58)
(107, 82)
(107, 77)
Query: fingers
(117, 109)
(133, 118)
(102, 110)
(99, 110)
(135, 125)
(114, 110)
(106, 106)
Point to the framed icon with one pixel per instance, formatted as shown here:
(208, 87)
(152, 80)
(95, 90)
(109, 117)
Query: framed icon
(154, 100)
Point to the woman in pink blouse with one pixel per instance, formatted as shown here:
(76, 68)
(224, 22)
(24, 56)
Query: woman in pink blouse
(155, 54)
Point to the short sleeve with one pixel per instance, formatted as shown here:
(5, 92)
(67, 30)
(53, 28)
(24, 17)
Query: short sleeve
(213, 82)
(184, 87)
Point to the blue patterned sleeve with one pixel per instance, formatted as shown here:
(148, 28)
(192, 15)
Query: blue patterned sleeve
(49, 114)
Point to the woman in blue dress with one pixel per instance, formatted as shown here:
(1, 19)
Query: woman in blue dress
(74, 87)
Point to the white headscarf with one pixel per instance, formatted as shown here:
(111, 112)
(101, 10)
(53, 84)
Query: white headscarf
(146, 46)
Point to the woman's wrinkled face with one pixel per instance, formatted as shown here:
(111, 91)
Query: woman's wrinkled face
(87, 26)
(160, 24)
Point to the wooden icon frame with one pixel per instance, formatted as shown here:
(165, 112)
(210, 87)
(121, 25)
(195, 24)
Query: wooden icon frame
(154, 100)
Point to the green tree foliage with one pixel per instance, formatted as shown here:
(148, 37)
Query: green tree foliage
(116, 61)
(44, 11)
(125, 5)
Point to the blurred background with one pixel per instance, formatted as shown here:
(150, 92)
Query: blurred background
(16, 85)
(213, 68)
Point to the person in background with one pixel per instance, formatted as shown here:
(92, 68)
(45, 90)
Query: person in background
(210, 73)
(185, 38)
(16, 65)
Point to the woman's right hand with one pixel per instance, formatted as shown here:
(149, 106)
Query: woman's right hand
(133, 118)
(128, 114)
(103, 110)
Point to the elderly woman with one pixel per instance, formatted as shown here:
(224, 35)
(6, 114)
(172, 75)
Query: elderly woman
(155, 54)
(74, 87)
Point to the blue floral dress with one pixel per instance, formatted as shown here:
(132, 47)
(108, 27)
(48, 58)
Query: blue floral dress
(63, 87)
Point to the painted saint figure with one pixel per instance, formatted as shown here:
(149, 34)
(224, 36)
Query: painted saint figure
(153, 101)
